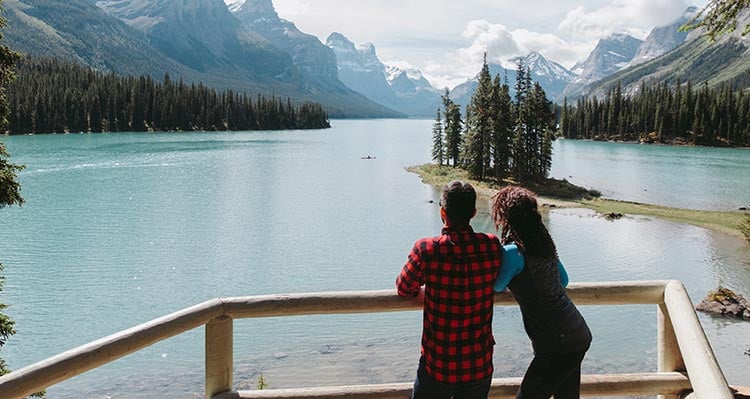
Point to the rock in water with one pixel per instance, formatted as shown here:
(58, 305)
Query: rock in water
(724, 301)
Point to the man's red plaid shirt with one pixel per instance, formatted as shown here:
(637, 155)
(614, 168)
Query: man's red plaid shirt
(458, 270)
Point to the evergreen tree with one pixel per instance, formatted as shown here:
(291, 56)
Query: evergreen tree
(452, 129)
(52, 95)
(437, 139)
(9, 187)
(502, 128)
(479, 121)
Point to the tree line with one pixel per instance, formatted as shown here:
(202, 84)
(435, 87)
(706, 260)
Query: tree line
(679, 114)
(498, 137)
(56, 96)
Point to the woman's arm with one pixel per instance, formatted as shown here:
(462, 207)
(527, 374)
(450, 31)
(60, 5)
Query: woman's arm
(563, 273)
(511, 266)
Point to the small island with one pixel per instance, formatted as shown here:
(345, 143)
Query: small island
(555, 193)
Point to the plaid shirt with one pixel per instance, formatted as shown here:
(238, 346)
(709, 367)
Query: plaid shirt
(458, 270)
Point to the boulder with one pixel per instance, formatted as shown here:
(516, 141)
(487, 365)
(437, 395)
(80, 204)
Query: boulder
(725, 302)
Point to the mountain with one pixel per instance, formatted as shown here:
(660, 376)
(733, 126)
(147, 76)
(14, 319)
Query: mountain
(314, 60)
(309, 55)
(79, 30)
(203, 35)
(360, 69)
(609, 56)
(663, 39)
(552, 76)
(697, 60)
(194, 40)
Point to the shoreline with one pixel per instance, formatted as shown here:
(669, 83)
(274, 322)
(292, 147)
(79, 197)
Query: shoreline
(674, 143)
(720, 221)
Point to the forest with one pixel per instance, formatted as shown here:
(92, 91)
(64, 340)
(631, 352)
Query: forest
(58, 96)
(498, 137)
(679, 114)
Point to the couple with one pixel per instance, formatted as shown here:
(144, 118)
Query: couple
(460, 269)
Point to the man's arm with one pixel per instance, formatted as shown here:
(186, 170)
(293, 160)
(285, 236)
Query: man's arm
(411, 278)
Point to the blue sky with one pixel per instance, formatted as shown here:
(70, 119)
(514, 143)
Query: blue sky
(446, 39)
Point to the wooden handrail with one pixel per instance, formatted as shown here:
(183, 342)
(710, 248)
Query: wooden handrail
(502, 388)
(217, 315)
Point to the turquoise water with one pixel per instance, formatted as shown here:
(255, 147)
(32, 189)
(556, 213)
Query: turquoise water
(683, 177)
(121, 228)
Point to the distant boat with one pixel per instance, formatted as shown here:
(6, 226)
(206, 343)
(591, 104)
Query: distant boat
(368, 157)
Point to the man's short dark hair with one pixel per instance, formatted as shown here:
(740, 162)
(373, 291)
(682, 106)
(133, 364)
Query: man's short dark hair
(459, 201)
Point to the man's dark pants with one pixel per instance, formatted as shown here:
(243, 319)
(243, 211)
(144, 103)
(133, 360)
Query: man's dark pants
(425, 387)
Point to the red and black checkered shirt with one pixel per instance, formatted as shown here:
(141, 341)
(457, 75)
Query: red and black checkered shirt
(458, 270)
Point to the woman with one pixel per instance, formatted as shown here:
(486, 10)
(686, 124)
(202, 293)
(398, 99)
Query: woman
(559, 334)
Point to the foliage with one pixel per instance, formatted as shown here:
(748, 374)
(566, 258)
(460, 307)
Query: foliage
(452, 129)
(438, 146)
(660, 113)
(562, 189)
(52, 95)
(744, 227)
(262, 383)
(722, 294)
(505, 138)
(9, 187)
(719, 17)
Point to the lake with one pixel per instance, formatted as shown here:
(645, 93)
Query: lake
(122, 228)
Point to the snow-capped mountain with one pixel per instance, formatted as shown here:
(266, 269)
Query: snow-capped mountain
(663, 39)
(610, 55)
(407, 81)
(552, 76)
(360, 68)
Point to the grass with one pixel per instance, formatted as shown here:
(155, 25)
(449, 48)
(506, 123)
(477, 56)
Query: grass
(562, 193)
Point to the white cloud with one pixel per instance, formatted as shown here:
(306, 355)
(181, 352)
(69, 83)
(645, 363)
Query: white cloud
(502, 44)
(619, 16)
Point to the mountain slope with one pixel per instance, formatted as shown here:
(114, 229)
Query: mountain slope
(44, 28)
(310, 56)
(609, 56)
(662, 39)
(698, 60)
(203, 35)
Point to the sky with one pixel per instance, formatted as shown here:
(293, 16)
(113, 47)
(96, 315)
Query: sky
(447, 39)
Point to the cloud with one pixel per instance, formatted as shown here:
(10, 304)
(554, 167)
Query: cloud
(502, 44)
(618, 16)
(494, 39)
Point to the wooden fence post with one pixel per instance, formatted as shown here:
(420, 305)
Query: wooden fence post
(219, 356)
(669, 356)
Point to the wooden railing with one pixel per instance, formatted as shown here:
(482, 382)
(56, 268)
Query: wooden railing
(685, 359)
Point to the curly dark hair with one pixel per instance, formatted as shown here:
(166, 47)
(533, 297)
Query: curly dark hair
(515, 209)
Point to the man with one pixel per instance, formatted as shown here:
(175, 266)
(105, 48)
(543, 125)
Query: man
(458, 269)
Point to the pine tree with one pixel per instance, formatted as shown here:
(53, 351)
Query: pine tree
(502, 128)
(452, 129)
(437, 139)
(479, 126)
